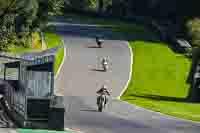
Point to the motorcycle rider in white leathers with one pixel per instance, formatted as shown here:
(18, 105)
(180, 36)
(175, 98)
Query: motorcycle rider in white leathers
(105, 63)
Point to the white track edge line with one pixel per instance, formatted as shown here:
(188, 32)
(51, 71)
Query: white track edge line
(130, 73)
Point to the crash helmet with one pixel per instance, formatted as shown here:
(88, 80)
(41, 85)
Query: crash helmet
(104, 87)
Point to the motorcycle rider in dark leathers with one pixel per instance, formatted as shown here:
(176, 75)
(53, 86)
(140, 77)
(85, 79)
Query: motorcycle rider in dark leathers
(103, 91)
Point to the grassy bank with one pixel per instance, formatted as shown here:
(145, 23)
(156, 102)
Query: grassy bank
(52, 41)
(159, 81)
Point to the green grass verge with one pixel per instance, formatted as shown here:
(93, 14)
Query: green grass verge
(40, 131)
(159, 81)
(59, 59)
(54, 40)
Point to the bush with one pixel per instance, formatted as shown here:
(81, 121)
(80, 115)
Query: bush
(89, 5)
(194, 31)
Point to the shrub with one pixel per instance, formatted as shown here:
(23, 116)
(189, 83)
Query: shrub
(194, 31)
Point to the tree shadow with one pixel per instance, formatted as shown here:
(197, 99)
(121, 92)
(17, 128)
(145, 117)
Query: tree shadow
(106, 33)
(98, 70)
(175, 48)
(164, 98)
(89, 110)
(93, 47)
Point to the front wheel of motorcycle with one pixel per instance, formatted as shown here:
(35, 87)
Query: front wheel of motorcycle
(104, 69)
(100, 108)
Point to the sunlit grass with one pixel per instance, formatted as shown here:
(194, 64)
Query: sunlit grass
(159, 80)
(54, 40)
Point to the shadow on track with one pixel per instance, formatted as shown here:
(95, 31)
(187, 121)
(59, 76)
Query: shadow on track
(98, 70)
(106, 33)
(89, 110)
(93, 47)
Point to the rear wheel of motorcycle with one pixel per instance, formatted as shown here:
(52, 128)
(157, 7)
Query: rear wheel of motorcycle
(100, 108)
(100, 45)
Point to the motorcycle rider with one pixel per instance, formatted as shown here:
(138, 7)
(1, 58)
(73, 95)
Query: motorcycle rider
(98, 41)
(103, 91)
(104, 62)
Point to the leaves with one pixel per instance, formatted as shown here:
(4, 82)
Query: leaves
(194, 31)
(19, 18)
(55, 6)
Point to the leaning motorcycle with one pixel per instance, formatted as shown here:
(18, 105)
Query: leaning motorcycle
(101, 102)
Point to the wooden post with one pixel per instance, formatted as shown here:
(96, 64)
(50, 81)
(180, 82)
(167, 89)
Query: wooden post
(4, 72)
(19, 73)
(52, 76)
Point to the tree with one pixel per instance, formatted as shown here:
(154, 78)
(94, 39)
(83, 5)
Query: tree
(77, 4)
(194, 31)
(19, 18)
(100, 5)
(55, 7)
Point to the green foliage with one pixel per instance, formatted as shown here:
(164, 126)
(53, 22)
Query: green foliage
(93, 4)
(3, 4)
(194, 31)
(19, 18)
(86, 4)
(55, 7)
(78, 4)
(157, 8)
(4, 42)
(21, 11)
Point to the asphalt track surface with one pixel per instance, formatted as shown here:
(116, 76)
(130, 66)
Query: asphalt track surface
(81, 76)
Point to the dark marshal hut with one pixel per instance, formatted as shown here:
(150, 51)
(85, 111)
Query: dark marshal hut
(30, 93)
